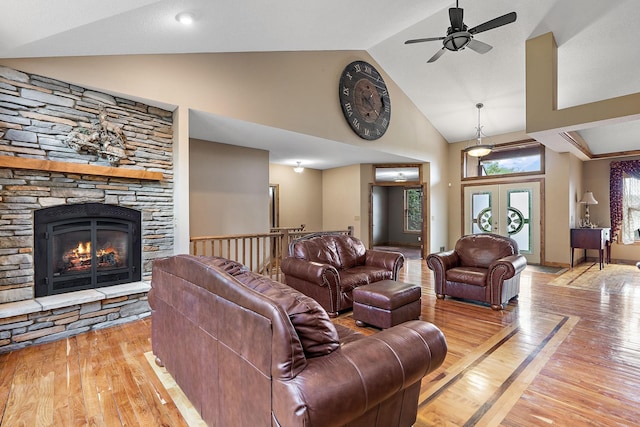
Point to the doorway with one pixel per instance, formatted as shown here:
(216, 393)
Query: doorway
(274, 205)
(397, 218)
(508, 209)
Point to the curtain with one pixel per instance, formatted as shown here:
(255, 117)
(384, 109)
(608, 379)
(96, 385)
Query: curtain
(616, 192)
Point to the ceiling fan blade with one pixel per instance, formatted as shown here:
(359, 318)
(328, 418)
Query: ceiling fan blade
(428, 39)
(436, 56)
(455, 16)
(478, 46)
(494, 23)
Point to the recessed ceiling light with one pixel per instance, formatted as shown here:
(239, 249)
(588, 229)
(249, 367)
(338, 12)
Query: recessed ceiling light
(184, 18)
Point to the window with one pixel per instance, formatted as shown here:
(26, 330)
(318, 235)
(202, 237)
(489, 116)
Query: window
(520, 158)
(413, 210)
(624, 194)
(397, 174)
(630, 228)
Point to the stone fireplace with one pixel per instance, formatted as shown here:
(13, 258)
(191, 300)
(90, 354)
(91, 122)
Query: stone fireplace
(51, 166)
(85, 246)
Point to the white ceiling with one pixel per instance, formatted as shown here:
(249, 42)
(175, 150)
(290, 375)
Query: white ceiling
(598, 57)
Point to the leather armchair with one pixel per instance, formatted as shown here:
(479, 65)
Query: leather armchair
(482, 267)
(249, 351)
(328, 266)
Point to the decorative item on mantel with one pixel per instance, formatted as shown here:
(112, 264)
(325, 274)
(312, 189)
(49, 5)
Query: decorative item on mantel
(587, 199)
(104, 139)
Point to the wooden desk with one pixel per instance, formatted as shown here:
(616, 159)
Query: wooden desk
(592, 238)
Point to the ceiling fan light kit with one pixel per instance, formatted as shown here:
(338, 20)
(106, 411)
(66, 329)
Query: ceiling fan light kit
(479, 149)
(185, 18)
(459, 37)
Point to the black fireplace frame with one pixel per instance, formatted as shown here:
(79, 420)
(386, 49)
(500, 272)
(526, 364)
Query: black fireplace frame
(46, 219)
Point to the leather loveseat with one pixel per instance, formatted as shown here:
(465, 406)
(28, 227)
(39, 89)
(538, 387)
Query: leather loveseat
(249, 351)
(482, 267)
(328, 266)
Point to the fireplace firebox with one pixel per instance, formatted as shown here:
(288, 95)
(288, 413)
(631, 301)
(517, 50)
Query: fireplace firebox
(85, 246)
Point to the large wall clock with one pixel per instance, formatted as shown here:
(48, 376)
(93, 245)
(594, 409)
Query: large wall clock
(365, 100)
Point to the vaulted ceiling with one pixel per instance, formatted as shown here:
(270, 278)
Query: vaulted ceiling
(597, 50)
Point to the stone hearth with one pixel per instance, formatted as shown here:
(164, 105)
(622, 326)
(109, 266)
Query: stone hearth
(39, 168)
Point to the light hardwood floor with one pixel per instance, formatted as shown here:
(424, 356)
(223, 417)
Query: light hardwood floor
(566, 354)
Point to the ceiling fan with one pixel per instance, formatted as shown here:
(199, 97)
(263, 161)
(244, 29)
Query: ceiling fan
(458, 36)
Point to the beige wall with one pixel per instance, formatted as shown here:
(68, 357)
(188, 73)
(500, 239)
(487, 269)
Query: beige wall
(300, 196)
(296, 91)
(341, 195)
(543, 115)
(562, 172)
(228, 85)
(229, 189)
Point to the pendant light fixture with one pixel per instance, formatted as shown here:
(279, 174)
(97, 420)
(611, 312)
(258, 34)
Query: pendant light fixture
(479, 149)
(298, 168)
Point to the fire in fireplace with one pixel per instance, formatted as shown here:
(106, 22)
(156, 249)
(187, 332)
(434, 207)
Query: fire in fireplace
(85, 246)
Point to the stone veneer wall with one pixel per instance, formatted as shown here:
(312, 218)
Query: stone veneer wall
(36, 116)
(27, 323)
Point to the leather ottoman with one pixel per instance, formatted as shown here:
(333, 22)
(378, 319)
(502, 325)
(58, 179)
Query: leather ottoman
(386, 303)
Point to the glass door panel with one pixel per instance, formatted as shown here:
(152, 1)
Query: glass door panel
(507, 209)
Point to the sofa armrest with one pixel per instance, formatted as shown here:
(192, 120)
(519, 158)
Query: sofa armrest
(392, 261)
(313, 272)
(507, 267)
(339, 387)
(439, 263)
(443, 260)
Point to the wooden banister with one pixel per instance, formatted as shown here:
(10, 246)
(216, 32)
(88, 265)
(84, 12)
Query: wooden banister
(260, 252)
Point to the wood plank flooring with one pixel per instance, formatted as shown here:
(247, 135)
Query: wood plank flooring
(566, 354)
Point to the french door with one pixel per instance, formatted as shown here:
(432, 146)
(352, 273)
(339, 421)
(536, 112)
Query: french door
(512, 210)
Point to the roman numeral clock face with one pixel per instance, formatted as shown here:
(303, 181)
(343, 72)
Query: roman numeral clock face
(365, 100)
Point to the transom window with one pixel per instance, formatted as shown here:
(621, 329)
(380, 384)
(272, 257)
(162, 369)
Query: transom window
(521, 158)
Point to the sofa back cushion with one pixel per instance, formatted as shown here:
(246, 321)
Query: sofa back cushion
(316, 332)
(480, 250)
(338, 250)
(352, 251)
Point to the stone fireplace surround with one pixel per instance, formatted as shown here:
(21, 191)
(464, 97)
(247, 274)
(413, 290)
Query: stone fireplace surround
(39, 169)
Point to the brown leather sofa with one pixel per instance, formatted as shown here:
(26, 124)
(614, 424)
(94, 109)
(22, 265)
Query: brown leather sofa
(328, 266)
(482, 267)
(249, 351)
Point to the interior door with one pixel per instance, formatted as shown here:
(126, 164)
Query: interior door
(507, 209)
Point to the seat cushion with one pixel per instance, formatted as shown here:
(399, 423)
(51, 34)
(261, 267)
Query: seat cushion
(315, 330)
(351, 278)
(470, 275)
(362, 275)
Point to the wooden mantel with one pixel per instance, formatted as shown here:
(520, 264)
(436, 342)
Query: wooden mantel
(82, 169)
